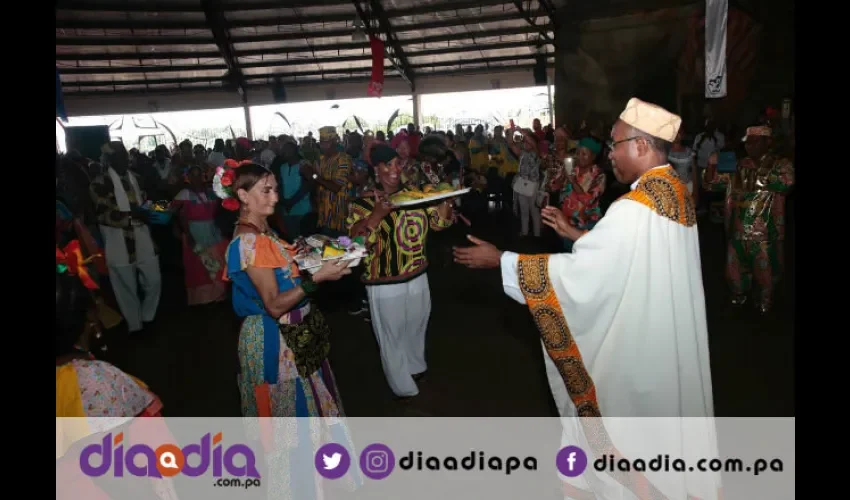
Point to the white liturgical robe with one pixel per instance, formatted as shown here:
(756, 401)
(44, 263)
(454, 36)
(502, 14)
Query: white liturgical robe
(632, 300)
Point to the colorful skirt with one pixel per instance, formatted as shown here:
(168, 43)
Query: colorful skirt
(290, 444)
(293, 395)
(100, 398)
(203, 268)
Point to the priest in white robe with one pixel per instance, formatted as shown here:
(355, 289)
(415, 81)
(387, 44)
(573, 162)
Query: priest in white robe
(622, 320)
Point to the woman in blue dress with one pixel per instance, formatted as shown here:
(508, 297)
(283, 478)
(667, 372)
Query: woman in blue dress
(284, 339)
(283, 343)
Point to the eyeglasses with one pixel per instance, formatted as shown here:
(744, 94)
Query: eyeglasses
(611, 144)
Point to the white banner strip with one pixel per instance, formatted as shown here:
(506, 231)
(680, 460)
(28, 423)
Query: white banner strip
(421, 458)
(716, 13)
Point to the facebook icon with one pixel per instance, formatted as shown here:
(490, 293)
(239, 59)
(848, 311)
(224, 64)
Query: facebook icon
(571, 461)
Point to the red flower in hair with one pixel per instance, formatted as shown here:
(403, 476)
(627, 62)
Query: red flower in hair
(231, 163)
(227, 178)
(230, 204)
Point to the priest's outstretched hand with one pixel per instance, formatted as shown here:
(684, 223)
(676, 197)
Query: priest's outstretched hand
(481, 255)
(555, 218)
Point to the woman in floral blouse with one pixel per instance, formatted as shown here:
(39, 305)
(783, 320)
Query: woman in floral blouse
(583, 188)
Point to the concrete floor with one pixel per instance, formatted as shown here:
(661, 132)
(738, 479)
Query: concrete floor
(482, 348)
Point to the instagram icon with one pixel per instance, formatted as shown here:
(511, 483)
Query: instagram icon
(377, 461)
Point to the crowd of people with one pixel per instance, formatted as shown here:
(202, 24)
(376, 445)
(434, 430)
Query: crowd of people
(229, 217)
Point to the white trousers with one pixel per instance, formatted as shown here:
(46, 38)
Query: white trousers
(528, 208)
(400, 315)
(126, 277)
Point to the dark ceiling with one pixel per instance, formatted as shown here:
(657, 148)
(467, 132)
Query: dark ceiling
(115, 46)
(149, 46)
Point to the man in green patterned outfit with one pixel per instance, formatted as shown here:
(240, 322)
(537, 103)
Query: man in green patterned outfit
(755, 217)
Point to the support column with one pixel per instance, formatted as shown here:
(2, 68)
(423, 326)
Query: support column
(417, 103)
(549, 98)
(62, 126)
(248, 120)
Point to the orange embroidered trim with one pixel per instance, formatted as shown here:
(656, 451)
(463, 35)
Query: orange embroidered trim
(663, 191)
(533, 277)
(533, 272)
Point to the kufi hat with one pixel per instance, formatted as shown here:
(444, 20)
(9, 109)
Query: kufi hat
(651, 119)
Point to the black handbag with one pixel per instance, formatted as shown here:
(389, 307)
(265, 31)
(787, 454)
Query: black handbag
(309, 341)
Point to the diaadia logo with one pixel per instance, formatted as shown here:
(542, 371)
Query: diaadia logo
(168, 460)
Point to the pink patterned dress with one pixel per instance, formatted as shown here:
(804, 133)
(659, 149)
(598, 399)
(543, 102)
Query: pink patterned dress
(92, 398)
(203, 262)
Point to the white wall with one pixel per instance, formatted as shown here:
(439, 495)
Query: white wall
(216, 99)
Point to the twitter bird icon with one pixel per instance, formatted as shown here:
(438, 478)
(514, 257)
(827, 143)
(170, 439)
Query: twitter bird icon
(332, 461)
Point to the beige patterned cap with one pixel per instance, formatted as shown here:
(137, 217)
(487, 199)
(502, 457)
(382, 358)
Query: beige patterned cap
(328, 134)
(761, 131)
(654, 120)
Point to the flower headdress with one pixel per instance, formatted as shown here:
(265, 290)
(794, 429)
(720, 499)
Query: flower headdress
(223, 183)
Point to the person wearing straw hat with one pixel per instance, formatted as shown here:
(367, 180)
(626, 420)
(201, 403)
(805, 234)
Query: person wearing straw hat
(622, 317)
(332, 195)
(755, 217)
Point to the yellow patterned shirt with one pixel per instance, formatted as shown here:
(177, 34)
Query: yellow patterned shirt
(479, 158)
(333, 207)
(397, 246)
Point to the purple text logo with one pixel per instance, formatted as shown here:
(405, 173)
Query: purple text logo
(167, 460)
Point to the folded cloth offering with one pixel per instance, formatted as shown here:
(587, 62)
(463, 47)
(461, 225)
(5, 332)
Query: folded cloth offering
(317, 248)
